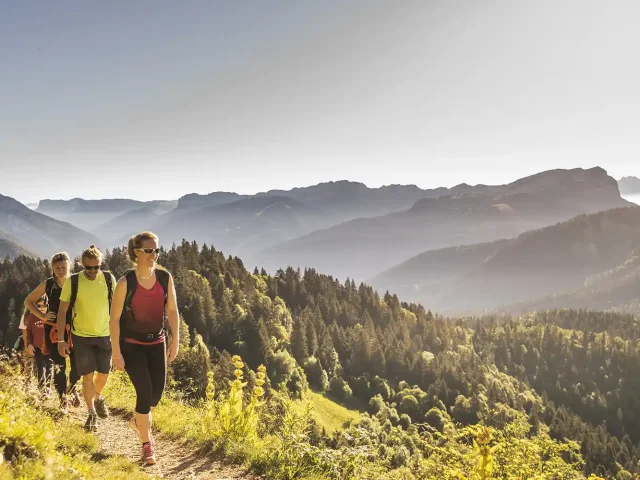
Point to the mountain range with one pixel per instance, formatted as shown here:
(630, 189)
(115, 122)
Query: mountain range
(534, 242)
(363, 247)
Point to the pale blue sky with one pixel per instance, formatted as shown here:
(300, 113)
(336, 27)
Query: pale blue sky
(157, 98)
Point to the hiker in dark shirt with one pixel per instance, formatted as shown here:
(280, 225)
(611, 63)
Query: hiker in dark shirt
(34, 344)
(141, 299)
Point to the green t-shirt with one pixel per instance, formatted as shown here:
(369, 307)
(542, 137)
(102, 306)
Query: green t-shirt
(91, 309)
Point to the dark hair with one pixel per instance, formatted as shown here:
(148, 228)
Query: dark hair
(136, 242)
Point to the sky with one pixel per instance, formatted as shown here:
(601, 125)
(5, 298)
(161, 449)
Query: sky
(151, 99)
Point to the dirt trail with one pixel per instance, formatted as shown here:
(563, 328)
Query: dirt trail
(176, 460)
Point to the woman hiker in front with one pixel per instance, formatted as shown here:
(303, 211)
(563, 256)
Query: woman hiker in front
(141, 298)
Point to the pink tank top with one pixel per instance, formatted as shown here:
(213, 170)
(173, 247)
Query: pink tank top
(148, 311)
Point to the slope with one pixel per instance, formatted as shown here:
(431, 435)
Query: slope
(40, 233)
(535, 264)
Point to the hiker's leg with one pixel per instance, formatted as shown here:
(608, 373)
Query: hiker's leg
(157, 360)
(74, 376)
(99, 382)
(103, 363)
(58, 363)
(87, 365)
(48, 370)
(41, 364)
(137, 367)
(88, 391)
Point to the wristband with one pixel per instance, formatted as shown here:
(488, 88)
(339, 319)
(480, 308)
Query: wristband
(116, 358)
(61, 341)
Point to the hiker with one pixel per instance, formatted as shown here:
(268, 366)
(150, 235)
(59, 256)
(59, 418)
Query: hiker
(88, 295)
(141, 299)
(34, 345)
(52, 287)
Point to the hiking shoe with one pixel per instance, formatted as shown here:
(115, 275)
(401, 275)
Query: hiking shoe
(148, 454)
(75, 399)
(91, 424)
(101, 407)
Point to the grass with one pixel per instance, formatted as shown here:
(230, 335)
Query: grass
(328, 414)
(35, 445)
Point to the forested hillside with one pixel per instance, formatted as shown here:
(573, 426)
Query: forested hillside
(562, 384)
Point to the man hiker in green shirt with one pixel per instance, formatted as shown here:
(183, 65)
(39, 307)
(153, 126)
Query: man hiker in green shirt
(88, 294)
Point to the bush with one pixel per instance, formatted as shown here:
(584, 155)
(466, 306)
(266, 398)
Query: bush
(340, 389)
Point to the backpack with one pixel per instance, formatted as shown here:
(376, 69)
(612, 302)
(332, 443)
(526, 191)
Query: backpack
(127, 317)
(51, 282)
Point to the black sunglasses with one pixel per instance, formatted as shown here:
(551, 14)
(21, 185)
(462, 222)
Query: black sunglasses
(86, 267)
(149, 251)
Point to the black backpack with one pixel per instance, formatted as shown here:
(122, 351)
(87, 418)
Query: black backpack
(51, 283)
(127, 316)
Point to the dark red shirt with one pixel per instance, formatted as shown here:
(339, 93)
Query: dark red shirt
(148, 310)
(35, 331)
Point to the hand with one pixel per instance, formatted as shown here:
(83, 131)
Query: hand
(173, 351)
(50, 316)
(118, 362)
(63, 349)
(30, 350)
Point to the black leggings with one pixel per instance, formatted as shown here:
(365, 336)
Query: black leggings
(59, 365)
(147, 369)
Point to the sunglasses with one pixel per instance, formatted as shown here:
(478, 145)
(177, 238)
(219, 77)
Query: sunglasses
(86, 267)
(149, 251)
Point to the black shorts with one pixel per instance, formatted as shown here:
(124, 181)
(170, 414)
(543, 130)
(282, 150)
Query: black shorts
(92, 354)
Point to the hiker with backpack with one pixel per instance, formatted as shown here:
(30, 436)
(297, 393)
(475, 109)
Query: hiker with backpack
(88, 295)
(34, 345)
(142, 299)
(52, 287)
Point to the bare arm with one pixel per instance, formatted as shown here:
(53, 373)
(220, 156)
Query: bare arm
(174, 321)
(117, 304)
(32, 299)
(63, 348)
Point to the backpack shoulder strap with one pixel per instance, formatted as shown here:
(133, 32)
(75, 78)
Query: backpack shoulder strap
(163, 278)
(49, 287)
(74, 290)
(108, 278)
(132, 285)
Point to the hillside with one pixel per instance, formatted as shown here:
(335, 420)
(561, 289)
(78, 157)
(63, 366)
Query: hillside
(539, 263)
(420, 376)
(361, 248)
(40, 233)
(10, 247)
